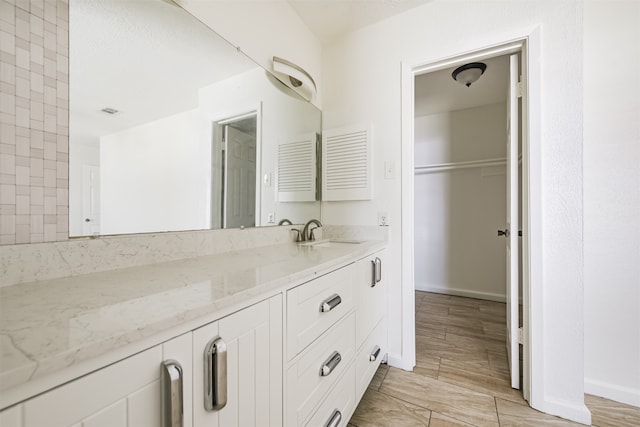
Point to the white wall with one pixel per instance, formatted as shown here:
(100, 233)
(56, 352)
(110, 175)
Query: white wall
(458, 212)
(263, 29)
(612, 199)
(362, 83)
(169, 153)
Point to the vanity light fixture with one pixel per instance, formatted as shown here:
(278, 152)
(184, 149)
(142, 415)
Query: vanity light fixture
(298, 77)
(469, 73)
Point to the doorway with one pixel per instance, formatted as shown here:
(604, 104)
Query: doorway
(235, 198)
(410, 72)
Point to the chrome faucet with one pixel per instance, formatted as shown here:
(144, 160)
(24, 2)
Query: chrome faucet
(307, 232)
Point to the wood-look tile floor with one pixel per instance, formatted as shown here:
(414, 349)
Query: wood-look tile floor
(461, 376)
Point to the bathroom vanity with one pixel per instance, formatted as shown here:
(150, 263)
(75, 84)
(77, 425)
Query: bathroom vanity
(289, 334)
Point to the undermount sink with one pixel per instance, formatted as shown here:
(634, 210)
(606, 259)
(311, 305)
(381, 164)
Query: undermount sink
(329, 243)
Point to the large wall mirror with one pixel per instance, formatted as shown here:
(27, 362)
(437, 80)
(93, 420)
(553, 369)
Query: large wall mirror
(172, 128)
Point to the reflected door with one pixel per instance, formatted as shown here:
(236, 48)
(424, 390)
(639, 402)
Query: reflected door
(90, 200)
(239, 207)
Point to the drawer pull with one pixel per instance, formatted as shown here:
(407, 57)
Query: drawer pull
(330, 364)
(374, 354)
(172, 399)
(376, 271)
(215, 373)
(330, 303)
(335, 419)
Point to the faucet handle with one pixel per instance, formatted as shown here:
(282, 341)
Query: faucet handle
(298, 238)
(312, 236)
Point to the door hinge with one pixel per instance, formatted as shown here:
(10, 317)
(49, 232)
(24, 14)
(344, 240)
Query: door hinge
(520, 336)
(520, 87)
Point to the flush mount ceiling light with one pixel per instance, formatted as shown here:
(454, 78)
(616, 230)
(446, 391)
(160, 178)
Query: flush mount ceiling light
(469, 73)
(298, 77)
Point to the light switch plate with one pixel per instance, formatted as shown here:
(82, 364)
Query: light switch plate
(389, 169)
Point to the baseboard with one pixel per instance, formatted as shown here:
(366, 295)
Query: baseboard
(573, 411)
(397, 361)
(609, 391)
(463, 293)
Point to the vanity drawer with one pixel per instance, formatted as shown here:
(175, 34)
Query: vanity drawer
(306, 319)
(306, 386)
(339, 403)
(365, 366)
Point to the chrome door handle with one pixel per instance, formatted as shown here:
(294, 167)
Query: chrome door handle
(172, 398)
(334, 420)
(330, 303)
(504, 233)
(374, 354)
(330, 364)
(215, 375)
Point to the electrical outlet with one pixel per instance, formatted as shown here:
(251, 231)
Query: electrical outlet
(383, 219)
(271, 217)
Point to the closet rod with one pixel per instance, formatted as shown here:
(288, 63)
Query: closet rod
(444, 167)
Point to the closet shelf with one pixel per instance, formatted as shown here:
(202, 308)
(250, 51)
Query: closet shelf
(444, 167)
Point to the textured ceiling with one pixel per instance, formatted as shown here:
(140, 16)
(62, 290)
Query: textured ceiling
(146, 59)
(329, 19)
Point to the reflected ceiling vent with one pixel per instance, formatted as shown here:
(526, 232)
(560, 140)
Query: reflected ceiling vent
(297, 76)
(110, 111)
(469, 73)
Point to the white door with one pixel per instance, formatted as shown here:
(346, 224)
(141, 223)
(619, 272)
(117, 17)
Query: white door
(90, 200)
(512, 226)
(240, 179)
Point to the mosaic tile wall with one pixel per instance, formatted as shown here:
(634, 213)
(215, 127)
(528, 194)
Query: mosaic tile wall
(34, 121)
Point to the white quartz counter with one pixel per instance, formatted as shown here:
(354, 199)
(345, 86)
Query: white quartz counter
(53, 331)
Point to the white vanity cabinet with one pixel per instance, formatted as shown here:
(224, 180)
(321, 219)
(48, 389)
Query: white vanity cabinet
(371, 323)
(126, 393)
(321, 338)
(299, 353)
(253, 381)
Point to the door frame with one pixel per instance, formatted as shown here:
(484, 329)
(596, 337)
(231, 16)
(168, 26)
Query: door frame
(529, 44)
(214, 123)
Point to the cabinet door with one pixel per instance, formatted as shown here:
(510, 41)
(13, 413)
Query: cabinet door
(370, 295)
(253, 339)
(125, 394)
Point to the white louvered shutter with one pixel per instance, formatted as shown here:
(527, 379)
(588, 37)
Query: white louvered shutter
(297, 169)
(346, 163)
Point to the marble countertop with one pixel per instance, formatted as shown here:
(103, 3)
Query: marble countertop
(49, 326)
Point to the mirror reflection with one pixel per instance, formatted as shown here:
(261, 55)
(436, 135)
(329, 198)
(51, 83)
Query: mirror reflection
(171, 128)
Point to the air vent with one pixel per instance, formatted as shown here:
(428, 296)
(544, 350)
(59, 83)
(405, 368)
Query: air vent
(297, 169)
(110, 111)
(346, 160)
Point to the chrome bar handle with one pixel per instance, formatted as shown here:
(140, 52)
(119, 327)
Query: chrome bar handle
(172, 398)
(374, 354)
(374, 269)
(335, 419)
(330, 303)
(215, 375)
(330, 364)
(376, 274)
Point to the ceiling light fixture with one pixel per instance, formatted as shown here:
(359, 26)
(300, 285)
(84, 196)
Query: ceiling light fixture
(469, 73)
